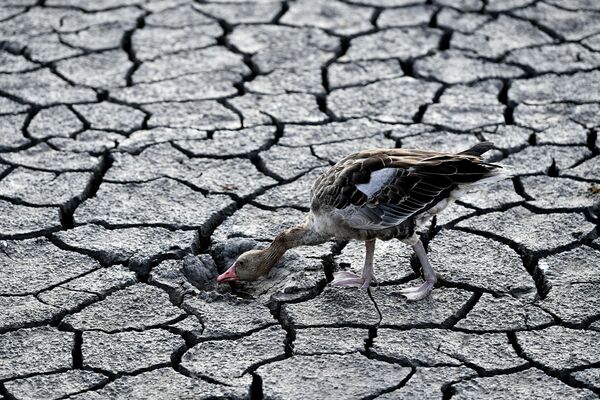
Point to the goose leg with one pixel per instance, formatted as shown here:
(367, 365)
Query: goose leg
(345, 278)
(420, 292)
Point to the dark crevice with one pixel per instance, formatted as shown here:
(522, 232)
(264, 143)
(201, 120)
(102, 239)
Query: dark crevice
(76, 353)
(445, 41)
(592, 137)
(530, 259)
(67, 210)
(509, 105)
(256, 388)
(463, 311)
(562, 375)
(127, 46)
(285, 6)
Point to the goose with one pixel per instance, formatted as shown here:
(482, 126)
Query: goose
(376, 194)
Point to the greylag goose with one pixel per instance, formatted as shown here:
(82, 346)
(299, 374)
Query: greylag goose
(376, 194)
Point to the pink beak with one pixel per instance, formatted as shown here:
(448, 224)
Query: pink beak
(228, 275)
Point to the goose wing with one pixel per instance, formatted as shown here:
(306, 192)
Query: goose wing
(381, 188)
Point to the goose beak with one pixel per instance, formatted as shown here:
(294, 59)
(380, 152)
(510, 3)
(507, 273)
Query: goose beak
(228, 275)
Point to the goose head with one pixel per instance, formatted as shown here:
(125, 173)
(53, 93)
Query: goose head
(248, 267)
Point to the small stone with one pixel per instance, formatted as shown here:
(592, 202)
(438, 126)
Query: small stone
(478, 262)
(34, 351)
(213, 359)
(136, 307)
(329, 340)
(439, 347)
(128, 352)
(54, 121)
(505, 313)
(225, 316)
(54, 386)
(525, 385)
(331, 376)
(560, 348)
(537, 232)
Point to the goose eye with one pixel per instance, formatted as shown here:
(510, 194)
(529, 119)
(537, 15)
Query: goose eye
(240, 263)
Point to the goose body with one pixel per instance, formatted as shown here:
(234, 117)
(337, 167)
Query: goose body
(376, 194)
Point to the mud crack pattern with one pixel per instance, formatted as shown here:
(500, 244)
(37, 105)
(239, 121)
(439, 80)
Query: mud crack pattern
(146, 143)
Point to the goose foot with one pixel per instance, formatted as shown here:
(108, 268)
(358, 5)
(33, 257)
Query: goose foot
(349, 279)
(418, 292)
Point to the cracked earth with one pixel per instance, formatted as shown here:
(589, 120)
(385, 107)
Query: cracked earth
(146, 143)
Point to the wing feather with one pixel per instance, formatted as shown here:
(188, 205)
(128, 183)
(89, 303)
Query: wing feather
(381, 188)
